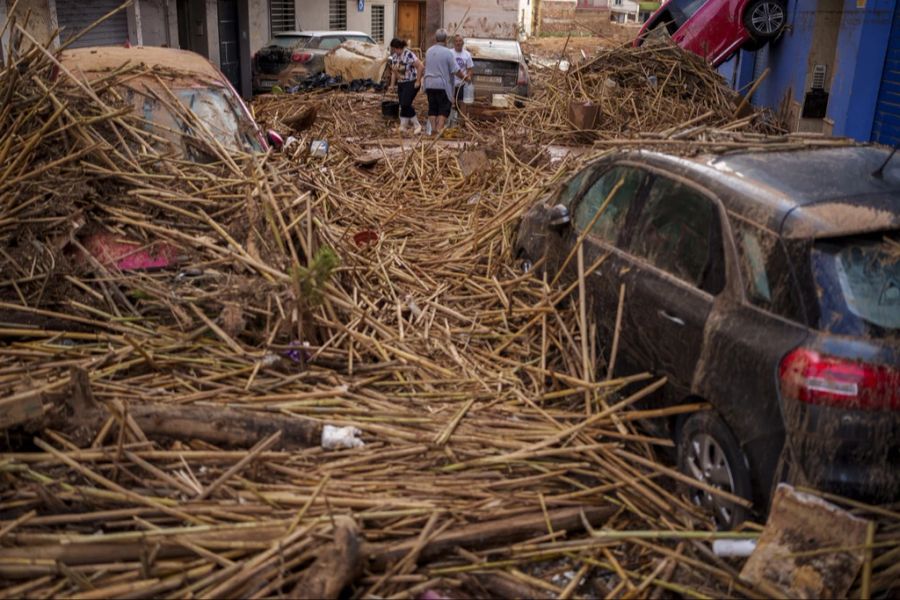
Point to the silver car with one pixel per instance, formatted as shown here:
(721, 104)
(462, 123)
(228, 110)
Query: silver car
(292, 56)
(500, 67)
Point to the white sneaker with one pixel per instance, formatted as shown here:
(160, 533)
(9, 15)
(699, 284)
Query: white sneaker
(427, 127)
(404, 124)
(417, 128)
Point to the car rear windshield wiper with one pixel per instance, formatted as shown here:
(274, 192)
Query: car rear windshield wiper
(879, 172)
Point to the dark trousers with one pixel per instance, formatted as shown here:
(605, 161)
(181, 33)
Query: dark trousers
(406, 93)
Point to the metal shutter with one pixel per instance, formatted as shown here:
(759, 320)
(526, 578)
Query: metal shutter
(886, 127)
(75, 15)
(282, 16)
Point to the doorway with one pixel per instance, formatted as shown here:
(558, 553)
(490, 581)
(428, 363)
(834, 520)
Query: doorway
(192, 27)
(411, 23)
(229, 42)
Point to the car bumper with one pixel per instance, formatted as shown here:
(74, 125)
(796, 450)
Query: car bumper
(264, 82)
(848, 452)
(487, 91)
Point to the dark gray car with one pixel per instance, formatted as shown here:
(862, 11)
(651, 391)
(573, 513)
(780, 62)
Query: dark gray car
(767, 284)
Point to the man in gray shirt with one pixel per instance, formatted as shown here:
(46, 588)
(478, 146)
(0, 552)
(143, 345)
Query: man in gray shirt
(440, 69)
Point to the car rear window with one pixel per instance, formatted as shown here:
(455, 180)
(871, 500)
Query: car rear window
(359, 38)
(328, 43)
(859, 281)
(290, 41)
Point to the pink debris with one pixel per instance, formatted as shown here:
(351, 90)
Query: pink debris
(126, 255)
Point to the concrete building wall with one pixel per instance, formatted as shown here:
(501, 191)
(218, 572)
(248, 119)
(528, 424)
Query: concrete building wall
(313, 14)
(159, 23)
(259, 29)
(562, 17)
(362, 21)
(626, 12)
(483, 18)
(40, 22)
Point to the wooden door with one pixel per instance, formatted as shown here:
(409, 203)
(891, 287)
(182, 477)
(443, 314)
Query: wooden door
(409, 22)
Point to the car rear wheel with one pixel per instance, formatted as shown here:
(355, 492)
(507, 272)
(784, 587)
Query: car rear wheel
(709, 452)
(765, 19)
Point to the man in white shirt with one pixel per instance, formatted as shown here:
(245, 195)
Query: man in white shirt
(464, 62)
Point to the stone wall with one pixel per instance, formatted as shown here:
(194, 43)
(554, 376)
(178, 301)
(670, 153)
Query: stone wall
(561, 16)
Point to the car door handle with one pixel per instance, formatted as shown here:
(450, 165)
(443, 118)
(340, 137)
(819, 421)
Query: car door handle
(670, 317)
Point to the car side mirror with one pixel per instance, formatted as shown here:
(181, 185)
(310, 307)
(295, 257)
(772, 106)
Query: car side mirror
(560, 217)
(274, 139)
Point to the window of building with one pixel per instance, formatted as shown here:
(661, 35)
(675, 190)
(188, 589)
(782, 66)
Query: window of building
(337, 15)
(378, 22)
(282, 16)
(618, 2)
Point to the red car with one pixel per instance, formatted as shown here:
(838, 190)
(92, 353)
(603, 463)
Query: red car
(716, 29)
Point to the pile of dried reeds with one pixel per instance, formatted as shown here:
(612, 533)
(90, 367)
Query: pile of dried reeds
(498, 458)
(655, 88)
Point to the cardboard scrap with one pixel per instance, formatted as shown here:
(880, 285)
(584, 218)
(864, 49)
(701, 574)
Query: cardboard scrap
(792, 555)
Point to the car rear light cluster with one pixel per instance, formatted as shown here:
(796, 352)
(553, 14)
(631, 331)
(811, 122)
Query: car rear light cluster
(301, 57)
(814, 378)
(523, 76)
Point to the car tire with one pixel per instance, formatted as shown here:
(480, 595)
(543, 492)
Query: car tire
(765, 19)
(709, 452)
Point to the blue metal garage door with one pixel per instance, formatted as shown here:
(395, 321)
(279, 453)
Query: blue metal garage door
(886, 128)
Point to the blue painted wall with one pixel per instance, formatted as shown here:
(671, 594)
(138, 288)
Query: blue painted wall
(862, 44)
(856, 74)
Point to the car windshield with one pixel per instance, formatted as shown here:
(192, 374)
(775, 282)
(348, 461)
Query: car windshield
(290, 41)
(359, 38)
(860, 284)
(217, 117)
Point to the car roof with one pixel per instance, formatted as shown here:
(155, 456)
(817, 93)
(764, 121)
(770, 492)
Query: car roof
(95, 61)
(319, 33)
(804, 193)
(493, 49)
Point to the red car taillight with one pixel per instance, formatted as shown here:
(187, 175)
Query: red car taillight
(301, 57)
(523, 76)
(814, 378)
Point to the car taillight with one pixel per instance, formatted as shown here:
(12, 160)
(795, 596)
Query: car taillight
(814, 378)
(523, 76)
(301, 57)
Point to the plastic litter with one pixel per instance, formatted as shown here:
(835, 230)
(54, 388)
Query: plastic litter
(736, 548)
(319, 148)
(335, 438)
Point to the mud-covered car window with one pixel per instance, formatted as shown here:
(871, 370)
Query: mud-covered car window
(327, 43)
(289, 41)
(765, 271)
(572, 188)
(859, 281)
(678, 232)
(213, 108)
(612, 219)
